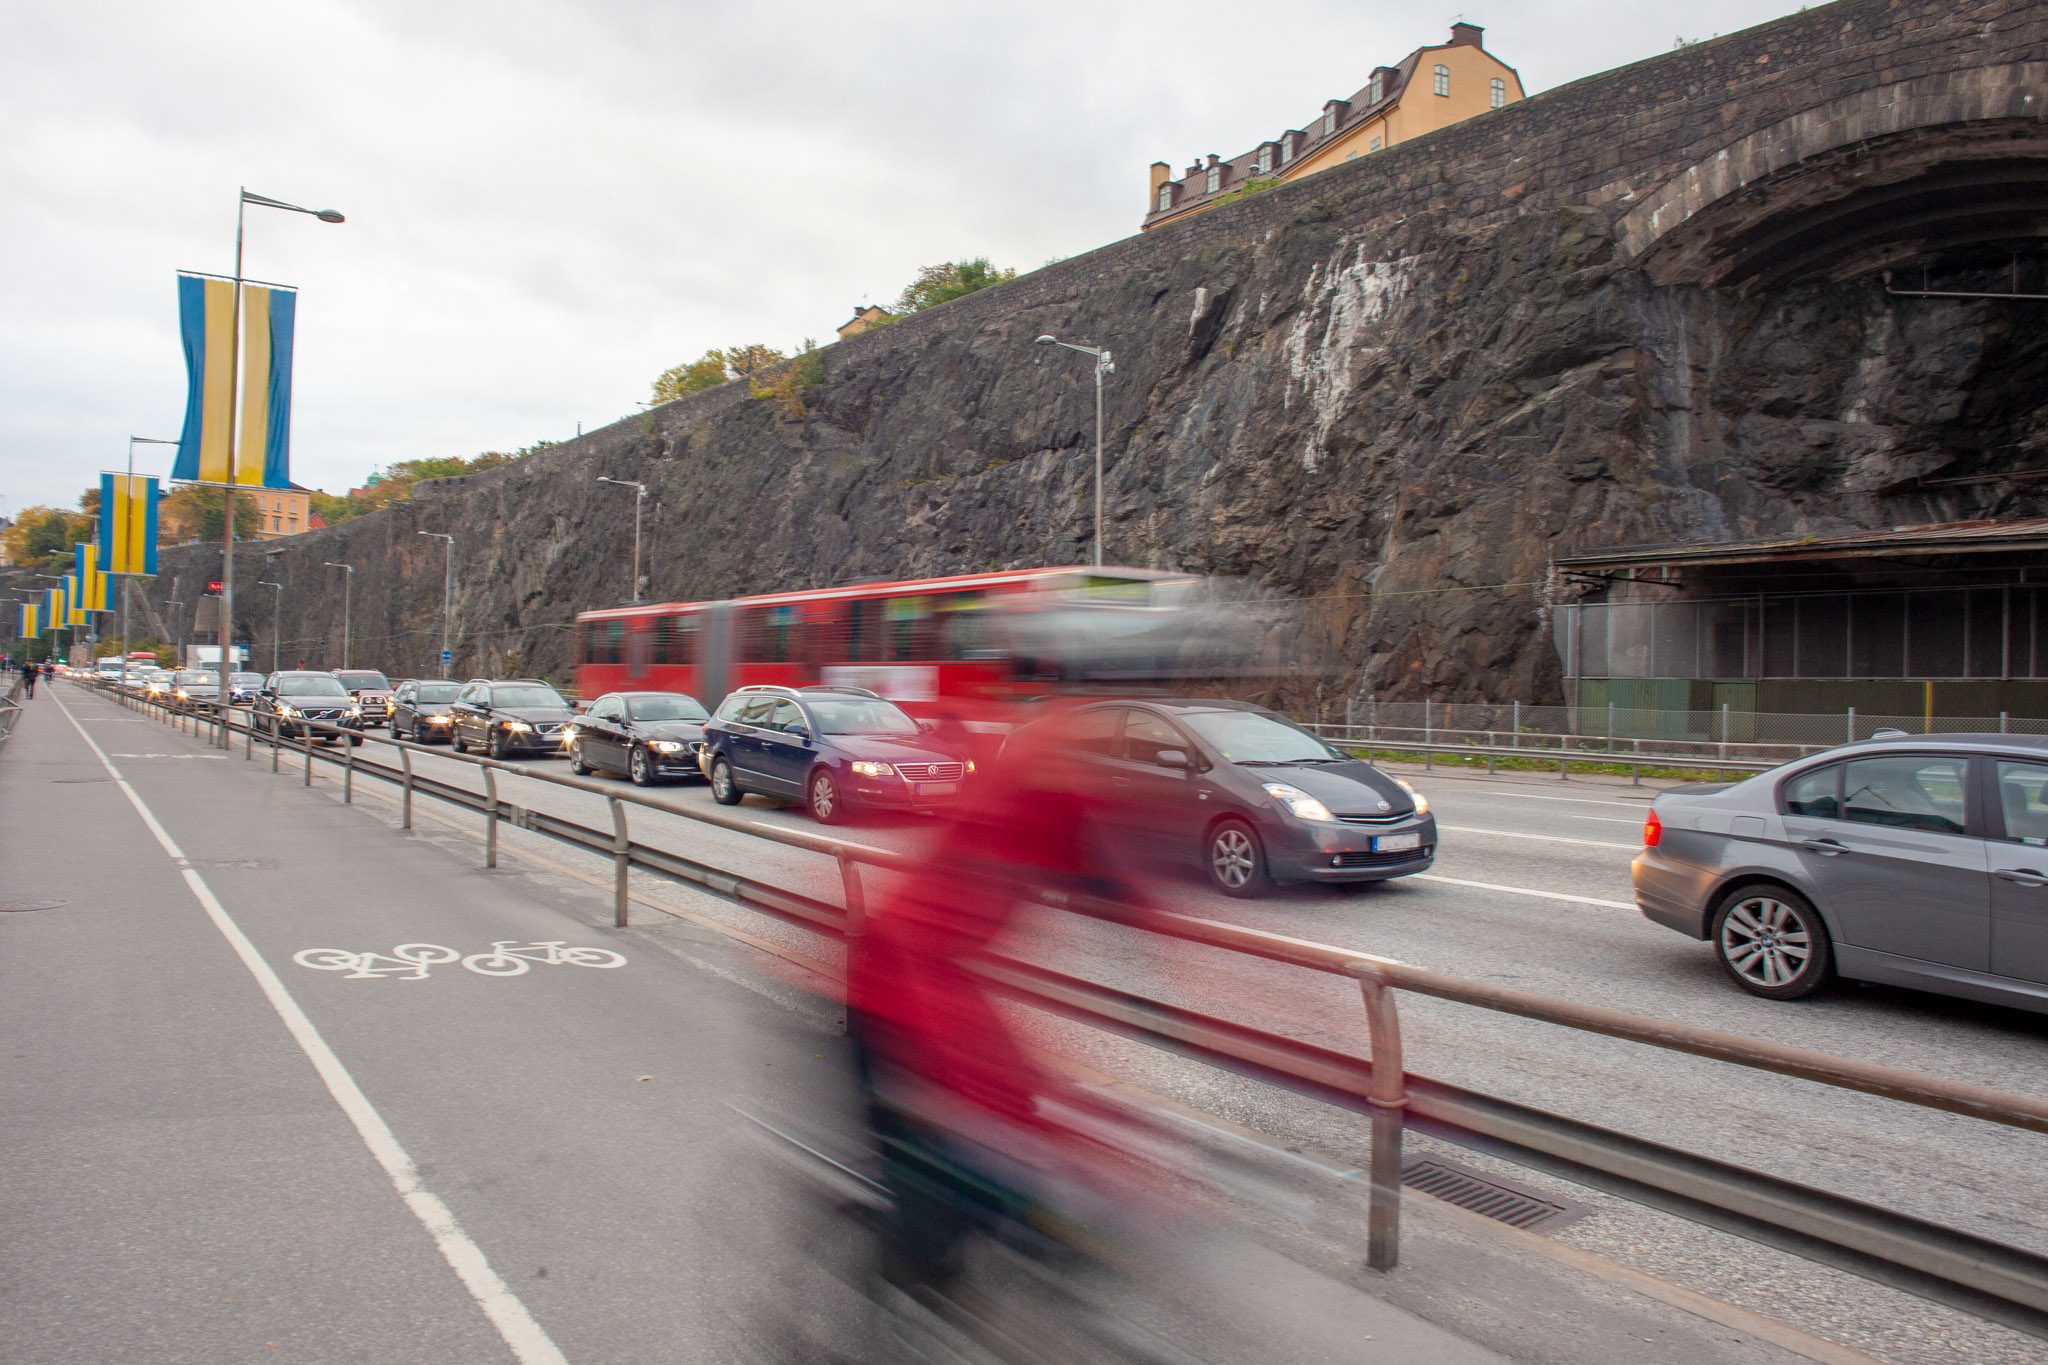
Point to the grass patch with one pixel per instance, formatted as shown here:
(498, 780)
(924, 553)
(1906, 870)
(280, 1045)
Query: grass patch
(1586, 764)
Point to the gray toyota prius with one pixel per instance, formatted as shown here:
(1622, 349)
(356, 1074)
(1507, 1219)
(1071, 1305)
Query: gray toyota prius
(1915, 860)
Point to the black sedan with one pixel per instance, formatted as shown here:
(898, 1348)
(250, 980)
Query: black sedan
(507, 716)
(194, 689)
(647, 736)
(1249, 796)
(292, 703)
(422, 711)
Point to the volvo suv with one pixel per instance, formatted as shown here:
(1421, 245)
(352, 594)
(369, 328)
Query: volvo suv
(507, 716)
(292, 703)
(836, 749)
(372, 691)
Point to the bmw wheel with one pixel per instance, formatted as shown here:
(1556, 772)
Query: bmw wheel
(641, 768)
(1772, 941)
(826, 806)
(724, 790)
(1236, 863)
(576, 763)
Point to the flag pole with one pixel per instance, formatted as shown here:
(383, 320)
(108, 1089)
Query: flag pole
(227, 493)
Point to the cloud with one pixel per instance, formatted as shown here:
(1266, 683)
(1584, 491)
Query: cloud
(550, 203)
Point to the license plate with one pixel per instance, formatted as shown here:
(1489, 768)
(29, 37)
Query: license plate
(1394, 843)
(937, 788)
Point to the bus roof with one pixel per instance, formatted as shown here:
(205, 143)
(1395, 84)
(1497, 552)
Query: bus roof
(886, 588)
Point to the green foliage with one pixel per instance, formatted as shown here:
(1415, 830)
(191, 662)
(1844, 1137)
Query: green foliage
(937, 284)
(787, 381)
(44, 535)
(394, 482)
(1255, 185)
(707, 372)
(194, 514)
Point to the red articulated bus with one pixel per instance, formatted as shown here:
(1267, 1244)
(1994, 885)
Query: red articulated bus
(958, 649)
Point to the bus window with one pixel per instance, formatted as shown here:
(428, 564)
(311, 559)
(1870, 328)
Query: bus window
(863, 632)
(675, 639)
(772, 636)
(906, 617)
(964, 628)
(613, 650)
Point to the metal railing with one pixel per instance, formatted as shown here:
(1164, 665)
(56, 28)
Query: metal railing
(1994, 1280)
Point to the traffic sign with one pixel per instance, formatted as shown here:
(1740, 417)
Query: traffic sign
(447, 657)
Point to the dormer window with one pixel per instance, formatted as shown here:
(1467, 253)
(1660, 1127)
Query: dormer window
(1375, 91)
(1165, 198)
(1329, 122)
(1286, 149)
(1443, 79)
(1500, 93)
(1215, 179)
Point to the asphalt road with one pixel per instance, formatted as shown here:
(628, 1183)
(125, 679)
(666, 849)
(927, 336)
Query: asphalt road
(1531, 889)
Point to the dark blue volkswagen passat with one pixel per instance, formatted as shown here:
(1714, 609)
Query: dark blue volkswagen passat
(1916, 860)
(836, 749)
(647, 736)
(1246, 794)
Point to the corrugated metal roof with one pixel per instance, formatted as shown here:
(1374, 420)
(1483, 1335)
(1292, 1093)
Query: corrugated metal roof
(1939, 538)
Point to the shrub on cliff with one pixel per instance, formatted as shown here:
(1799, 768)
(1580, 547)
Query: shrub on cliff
(937, 284)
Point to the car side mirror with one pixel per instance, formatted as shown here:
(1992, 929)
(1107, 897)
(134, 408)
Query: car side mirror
(1174, 758)
(798, 732)
(926, 726)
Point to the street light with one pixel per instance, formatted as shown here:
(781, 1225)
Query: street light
(348, 588)
(447, 595)
(276, 599)
(227, 493)
(1102, 367)
(128, 579)
(641, 489)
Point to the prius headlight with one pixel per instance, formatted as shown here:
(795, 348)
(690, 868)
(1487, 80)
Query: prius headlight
(870, 768)
(1421, 801)
(1297, 801)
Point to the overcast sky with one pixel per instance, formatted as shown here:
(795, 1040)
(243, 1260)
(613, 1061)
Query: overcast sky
(550, 203)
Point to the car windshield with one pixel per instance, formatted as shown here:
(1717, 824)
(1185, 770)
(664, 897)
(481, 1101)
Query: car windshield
(1250, 737)
(310, 685)
(359, 678)
(188, 676)
(438, 692)
(527, 696)
(858, 716)
(246, 679)
(667, 708)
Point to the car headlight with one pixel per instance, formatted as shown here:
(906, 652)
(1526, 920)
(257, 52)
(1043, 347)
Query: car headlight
(869, 768)
(183, 693)
(355, 712)
(970, 765)
(664, 746)
(436, 720)
(286, 711)
(517, 725)
(1421, 801)
(1298, 801)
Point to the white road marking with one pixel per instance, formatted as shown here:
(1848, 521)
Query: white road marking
(506, 958)
(1603, 819)
(215, 756)
(530, 1344)
(1546, 838)
(1575, 800)
(1522, 891)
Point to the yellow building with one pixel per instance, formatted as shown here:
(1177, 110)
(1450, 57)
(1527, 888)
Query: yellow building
(280, 512)
(864, 317)
(1432, 88)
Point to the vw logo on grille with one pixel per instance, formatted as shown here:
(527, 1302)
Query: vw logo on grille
(1386, 805)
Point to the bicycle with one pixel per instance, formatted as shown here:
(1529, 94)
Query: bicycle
(506, 959)
(406, 957)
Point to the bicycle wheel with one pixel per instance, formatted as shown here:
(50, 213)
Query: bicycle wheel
(425, 953)
(327, 959)
(593, 957)
(497, 964)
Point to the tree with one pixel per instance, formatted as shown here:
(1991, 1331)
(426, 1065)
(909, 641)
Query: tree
(750, 359)
(331, 508)
(45, 535)
(937, 284)
(188, 514)
(682, 381)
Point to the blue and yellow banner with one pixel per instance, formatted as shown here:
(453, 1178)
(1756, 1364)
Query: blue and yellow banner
(262, 449)
(54, 609)
(31, 620)
(127, 523)
(90, 584)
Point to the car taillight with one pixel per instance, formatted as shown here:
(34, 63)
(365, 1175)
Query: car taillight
(1653, 830)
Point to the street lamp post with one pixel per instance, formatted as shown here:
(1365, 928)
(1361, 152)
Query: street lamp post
(227, 492)
(276, 635)
(348, 588)
(1103, 367)
(448, 593)
(641, 490)
(127, 580)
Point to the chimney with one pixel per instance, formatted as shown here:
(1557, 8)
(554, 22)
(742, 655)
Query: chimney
(1467, 35)
(1161, 173)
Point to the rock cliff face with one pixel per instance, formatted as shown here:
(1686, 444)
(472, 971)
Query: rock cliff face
(1393, 390)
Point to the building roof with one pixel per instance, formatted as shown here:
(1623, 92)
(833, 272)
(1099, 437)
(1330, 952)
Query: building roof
(1937, 538)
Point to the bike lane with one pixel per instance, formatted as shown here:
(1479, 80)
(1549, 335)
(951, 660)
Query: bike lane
(569, 1118)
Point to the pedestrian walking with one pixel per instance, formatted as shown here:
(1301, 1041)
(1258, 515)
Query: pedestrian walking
(29, 674)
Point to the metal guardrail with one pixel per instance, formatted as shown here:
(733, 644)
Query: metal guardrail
(1994, 1280)
(1565, 759)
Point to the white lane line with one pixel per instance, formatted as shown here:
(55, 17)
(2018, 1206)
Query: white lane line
(1546, 838)
(1603, 819)
(530, 1345)
(1521, 891)
(1574, 800)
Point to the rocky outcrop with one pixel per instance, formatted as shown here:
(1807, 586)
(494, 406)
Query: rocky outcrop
(1393, 391)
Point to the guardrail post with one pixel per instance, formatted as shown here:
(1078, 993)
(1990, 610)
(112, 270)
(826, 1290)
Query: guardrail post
(249, 735)
(490, 818)
(309, 753)
(1518, 726)
(348, 770)
(405, 785)
(622, 861)
(276, 740)
(1388, 1098)
(856, 898)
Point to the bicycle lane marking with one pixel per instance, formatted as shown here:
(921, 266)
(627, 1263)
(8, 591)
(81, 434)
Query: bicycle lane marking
(530, 1344)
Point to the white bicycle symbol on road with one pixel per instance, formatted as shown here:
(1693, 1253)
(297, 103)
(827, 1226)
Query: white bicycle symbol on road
(409, 961)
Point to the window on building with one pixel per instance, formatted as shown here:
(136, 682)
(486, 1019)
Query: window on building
(1375, 145)
(276, 522)
(1259, 162)
(1329, 123)
(1286, 150)
(1374, 91)
(1351, 156)
(1500, 92)
(1443, 79)
(1215, 179)
(1165, 198)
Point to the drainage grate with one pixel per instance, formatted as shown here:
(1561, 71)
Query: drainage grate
(1499, 1199)
(31, 905)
